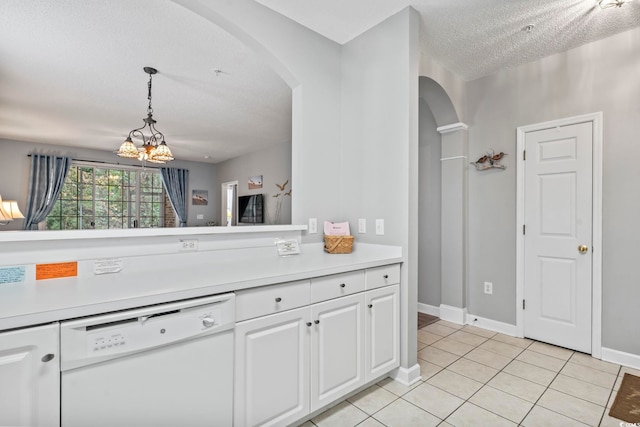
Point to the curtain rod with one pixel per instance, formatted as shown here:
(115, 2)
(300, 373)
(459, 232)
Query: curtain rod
(109, 163)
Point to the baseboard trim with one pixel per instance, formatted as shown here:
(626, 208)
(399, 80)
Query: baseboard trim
(431, 310)
(621, 358)
(453, 314)
(407, 376)
(492, 325)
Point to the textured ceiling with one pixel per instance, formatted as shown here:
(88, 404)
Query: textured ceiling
(71, 70)
(472, 38)
(71, 74)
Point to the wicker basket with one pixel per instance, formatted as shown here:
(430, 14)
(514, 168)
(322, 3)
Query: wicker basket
(338, 244)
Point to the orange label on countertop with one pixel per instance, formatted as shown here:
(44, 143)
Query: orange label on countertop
(55, 271)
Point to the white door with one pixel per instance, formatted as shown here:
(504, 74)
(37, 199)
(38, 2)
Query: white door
(337, 346)
(272, 369)
(30, 377)
(382, 331)
(558, 236)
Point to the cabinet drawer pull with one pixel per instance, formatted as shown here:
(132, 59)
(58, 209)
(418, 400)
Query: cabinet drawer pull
(316, 321)
(342, 285)
(386, 276)
(370, 305)
(47, 357)
(309, 323)
(278, 299)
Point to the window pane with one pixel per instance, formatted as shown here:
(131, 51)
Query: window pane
(87, 175)
(102, 192)
(115, 222)
(115, 209)
(69, 191)
(69, 222)
(101, 177)
(115, 177)
(102, 222)
(69, 207)
(146, 209)
(86, 208)
(86, 192)
(101, 208)
(87, 223)
(53, 223)
(115, 193)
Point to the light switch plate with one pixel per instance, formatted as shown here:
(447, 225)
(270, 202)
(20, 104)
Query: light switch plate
(380, 227)
(362, 225)
(313, 225)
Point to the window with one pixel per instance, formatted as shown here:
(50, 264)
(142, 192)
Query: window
(108, 197)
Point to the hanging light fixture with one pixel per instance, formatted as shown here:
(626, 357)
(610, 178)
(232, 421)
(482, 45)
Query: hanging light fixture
(154, 149)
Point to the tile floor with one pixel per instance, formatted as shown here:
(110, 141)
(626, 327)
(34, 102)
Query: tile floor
(475, 377)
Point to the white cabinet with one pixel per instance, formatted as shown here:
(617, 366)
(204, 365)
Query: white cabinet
(30, 377)
(337, 349)
(294, 362)
(382, 331)
(272, 369)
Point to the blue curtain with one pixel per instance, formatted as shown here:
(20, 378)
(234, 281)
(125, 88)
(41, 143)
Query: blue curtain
(175, 182)
(46, 179)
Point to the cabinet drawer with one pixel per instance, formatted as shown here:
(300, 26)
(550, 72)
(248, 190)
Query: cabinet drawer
(336, 285)
(265, 300)
(382, 276)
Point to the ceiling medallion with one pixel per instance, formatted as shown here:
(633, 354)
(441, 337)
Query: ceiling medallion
(153, 149)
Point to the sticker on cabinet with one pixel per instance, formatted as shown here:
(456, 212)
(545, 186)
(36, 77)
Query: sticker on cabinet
(57, 270)
(12, 274)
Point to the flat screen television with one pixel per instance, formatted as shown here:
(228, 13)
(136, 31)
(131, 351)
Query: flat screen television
(250, 209)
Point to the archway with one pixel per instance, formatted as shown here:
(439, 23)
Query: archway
(442, 205)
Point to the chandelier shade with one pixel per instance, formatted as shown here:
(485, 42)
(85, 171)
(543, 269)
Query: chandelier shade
(154, 149)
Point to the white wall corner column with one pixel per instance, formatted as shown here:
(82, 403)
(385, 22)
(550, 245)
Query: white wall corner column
(454, 248)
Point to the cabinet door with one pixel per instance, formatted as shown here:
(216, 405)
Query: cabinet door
(337, 349)
(30, 377)
(383, 331)
(272, 369)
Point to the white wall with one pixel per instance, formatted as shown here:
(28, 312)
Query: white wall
(380, 146)
(600, 76)
(274, 164)
(15, 166)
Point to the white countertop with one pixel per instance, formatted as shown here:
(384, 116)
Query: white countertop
(202, 273)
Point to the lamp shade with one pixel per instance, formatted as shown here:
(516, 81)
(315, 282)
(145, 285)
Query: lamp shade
(11, 206)
(4, 215)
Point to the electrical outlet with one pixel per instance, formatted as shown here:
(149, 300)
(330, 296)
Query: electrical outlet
(313, 225)
(362, 225)
(488, 288)
(200, 216)
(380, 227)
(188, 245)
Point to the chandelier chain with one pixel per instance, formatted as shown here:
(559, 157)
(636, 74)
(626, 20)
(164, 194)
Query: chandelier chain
(149, 108)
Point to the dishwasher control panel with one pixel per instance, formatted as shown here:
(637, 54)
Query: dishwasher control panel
(107, 336)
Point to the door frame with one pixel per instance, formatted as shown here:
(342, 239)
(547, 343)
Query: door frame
(223, 199)
(596, 266)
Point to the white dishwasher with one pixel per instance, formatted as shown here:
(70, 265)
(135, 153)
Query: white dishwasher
(164, 365)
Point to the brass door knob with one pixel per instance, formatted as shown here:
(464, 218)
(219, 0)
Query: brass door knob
(583, 249)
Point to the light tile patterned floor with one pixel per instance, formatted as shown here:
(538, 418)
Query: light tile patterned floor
(475, 377)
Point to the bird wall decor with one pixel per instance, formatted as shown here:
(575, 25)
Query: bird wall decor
(490, 160)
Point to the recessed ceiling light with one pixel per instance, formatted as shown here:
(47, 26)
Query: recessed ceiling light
(207, 157)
